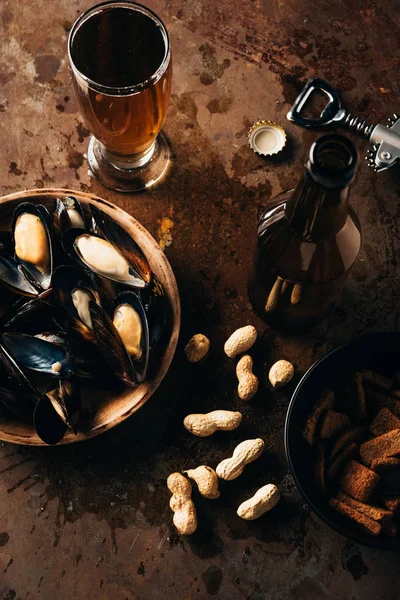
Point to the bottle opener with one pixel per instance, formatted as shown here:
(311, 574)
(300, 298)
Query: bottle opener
(385, 139)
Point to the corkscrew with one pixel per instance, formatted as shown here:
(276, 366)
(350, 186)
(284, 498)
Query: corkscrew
(385, 140)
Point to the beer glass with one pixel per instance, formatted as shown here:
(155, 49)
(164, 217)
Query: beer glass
(121, 70)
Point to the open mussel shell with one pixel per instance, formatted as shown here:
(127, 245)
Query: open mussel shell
(66, 401)
(111, 346)
(39, 355)
(122, 241)
(12, 275)
(109, 341)
(30, 316)
(32, 241)
(14, 377)
(68, 213)
(88, 361)
(158, 310)
(73, 288)
(48, 424)
(130, 320)
(100, 256)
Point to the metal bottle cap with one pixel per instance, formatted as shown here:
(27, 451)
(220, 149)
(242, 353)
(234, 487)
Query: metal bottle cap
(266, 138)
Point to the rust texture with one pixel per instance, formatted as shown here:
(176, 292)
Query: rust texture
(92, 520)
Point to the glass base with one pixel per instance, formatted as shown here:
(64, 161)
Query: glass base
(130, 174)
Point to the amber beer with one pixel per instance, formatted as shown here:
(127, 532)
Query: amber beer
(122, 72)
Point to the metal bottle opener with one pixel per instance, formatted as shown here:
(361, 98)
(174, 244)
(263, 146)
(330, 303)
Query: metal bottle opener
(385, 139)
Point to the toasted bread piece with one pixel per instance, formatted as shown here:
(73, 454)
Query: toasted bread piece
(378, 381)
(324, 404)
(386, 465)
(384, 401)
(365, 522)
(384, 421)
(373, 512)
(333, 423)
(360, 402)
(392, 504)
(383, 446)
(340, 460)
(319, 473)
(353, 434)
(358, 481)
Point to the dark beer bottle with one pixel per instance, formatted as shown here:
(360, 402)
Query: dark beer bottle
(308, 240)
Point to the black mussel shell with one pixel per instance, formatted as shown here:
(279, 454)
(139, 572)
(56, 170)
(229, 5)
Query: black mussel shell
(88, 361)
(122, 241)
(61, 220)
(133, 300)
(69, 239)
(38, 278)
(66, 279)
(31, 316)
(152, 292)
(111, 346)
(39, 355)
(14, 378)
(48, 424)
(68, 213)
(66, 401)
(12, 275)
(158, 310)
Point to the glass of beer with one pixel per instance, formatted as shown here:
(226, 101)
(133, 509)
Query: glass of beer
(120, 60)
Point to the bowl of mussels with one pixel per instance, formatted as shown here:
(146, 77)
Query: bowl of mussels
(89, 316)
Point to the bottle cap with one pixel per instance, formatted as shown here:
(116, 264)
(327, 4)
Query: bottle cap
(266, 138)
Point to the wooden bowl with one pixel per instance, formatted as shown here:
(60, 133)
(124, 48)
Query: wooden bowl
(107, 409)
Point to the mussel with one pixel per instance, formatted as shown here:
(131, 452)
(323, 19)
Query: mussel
(66, 401)
(100, 256)
(12, 275)
(56, 411)
(73, 289)
(39, 355)
(158, 310)
(124, 340)
(14, 378)
(31, 316)
(122, 242)
(88, 361)
(32, 243)
(68, 213)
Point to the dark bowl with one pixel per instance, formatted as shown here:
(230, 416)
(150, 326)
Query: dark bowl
(378, 351)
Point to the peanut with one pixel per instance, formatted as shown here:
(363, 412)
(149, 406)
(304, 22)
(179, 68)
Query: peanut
(207, 481)
(240, 341)
(263, 500)
(185, 518)
(248, 382)
(281, 373)
(204, 425)
(245, 453)
(197, 348)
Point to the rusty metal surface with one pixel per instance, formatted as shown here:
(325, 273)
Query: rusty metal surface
(92, 520)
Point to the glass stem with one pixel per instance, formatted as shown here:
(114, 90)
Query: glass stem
(128, 161)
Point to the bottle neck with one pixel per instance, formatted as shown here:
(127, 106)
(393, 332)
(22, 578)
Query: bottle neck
(317, 212)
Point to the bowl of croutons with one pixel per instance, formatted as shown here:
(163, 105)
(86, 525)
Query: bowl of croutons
(342, 439)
